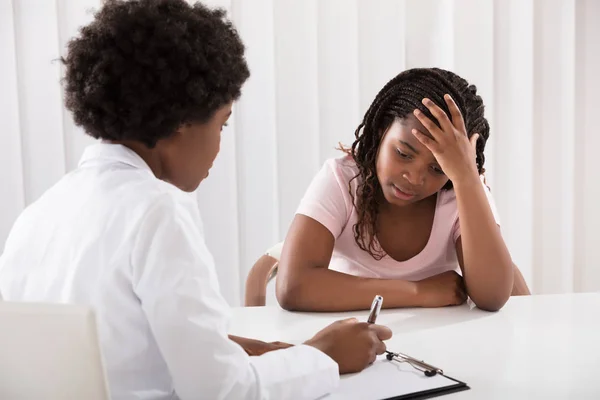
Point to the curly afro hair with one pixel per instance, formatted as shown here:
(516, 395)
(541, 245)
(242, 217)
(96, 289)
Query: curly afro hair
(143, 68)
(398, 99)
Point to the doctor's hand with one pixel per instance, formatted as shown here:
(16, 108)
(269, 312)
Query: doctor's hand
(353, 345)
(257, 347)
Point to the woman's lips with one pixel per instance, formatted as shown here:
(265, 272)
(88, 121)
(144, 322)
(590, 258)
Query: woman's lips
(403, 194)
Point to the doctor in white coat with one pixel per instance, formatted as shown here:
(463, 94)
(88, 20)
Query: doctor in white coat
(154, 81)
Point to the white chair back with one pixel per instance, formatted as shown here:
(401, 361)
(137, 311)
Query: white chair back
(50, 352)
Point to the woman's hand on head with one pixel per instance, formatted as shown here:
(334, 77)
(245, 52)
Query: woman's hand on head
(450, 144)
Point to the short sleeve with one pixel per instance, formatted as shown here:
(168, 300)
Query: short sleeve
(327, 199)
(456, 228)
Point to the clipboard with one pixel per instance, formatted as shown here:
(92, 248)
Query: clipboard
(397, 376)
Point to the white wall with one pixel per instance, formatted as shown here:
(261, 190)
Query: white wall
(316, 66)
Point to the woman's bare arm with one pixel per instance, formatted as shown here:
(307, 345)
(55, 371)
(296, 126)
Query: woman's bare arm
(305, 283)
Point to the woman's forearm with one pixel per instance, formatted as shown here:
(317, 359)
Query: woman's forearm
(322, 289)
(487, 265)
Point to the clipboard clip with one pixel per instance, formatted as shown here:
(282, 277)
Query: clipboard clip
(427, 369)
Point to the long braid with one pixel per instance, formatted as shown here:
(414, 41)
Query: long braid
(398, 99)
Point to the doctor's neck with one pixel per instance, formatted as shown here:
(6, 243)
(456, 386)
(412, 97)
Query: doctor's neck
(151, 156)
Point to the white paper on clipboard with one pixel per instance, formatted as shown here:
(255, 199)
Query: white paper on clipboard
(387, 379)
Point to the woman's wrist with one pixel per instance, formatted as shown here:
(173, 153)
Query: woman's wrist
(467, 181)
(408, 294)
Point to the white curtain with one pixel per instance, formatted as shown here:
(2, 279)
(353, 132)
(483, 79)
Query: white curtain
(316, 66)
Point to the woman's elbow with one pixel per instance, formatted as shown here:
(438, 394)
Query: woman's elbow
(491, 301)
(491, 305)
(495, 292)
(288, 294)
(287, 299)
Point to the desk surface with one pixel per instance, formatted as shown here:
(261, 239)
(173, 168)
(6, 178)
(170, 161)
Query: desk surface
(536, 347)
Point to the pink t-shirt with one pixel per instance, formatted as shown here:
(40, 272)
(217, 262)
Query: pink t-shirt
(328, 201)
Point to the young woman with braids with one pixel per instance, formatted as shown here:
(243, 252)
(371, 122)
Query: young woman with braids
(404, 210)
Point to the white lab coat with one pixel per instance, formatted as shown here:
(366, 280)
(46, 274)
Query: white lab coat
(113, 236)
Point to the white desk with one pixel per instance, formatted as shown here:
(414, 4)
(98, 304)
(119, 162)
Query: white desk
(537, 347)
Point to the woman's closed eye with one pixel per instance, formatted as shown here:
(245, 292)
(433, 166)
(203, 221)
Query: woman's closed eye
(437, 170)
(403, 155)
(434, 168)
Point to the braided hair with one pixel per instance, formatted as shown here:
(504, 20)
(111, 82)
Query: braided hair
(398, 99)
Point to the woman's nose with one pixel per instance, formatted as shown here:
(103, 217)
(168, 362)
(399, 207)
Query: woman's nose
(414, 178)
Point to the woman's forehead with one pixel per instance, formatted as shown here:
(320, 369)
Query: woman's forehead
(402, 127)
(401, 132)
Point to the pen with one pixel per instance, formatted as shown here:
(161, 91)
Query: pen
(375, 308)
